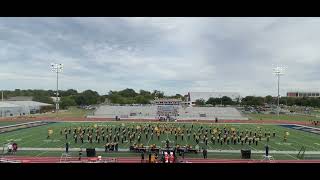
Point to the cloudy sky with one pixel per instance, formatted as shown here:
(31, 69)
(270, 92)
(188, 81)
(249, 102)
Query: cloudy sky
(175, 55)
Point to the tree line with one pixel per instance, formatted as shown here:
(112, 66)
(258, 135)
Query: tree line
(216, 101)
(259, 101)
(129, 96)
(72, 97)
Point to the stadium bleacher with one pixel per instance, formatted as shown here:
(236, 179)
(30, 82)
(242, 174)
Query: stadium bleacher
(185, 113)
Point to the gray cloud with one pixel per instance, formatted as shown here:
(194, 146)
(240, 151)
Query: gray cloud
(175, 55)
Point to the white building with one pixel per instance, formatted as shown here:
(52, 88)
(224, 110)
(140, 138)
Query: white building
(193, 96)
(20, 108)
(54, 99)
(8, 109)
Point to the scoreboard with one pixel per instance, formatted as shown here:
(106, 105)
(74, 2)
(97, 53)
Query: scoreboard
(168, 110)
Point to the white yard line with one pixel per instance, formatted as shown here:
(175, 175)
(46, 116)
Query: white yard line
(285, 153)
(149, 140)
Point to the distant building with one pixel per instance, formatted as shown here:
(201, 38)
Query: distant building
(193, 96)
(20, 98)
(303, 94)
(54, 99)
(166, 101)
(20, 108)
(8, 109)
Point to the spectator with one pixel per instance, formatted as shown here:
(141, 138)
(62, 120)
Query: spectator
(142, 156)
(14, 147)
(80, 154)
(204, 153)
(67, 147)
(267, 150)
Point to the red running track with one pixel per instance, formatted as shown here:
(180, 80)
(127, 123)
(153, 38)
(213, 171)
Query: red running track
(138, 160)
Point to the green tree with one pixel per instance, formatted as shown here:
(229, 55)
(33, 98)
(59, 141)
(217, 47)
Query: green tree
(91, 97)
(252, 101)
(69, 92)
(141, 100)
(226, 100)
(127, 93)
(144, 93)
(67, 102)
(269, 99)
(80, 100)
(200, 102)
(213, 101)
(158, 94)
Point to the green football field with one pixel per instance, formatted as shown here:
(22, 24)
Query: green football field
(285, 117)
(36, 137)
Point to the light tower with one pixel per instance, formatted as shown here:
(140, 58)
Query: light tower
(278, 71)
(57, 68)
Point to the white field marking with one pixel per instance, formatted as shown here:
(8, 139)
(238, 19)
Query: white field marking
(301, 133)
(14, 139)
(149, 140)
(44, 151)
(275, 142)
(16, 133)
(209, 145)
(185, 139)
(286, 144)
(293, 137)
(51, 140)
(41, 153)
(303, 126)
(229, 146)
(317, 144)
(44, 134)
(253, 147)
(286, 153)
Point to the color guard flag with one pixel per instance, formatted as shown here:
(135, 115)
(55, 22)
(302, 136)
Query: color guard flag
(287, 133)
(95, 125)
(50, 131)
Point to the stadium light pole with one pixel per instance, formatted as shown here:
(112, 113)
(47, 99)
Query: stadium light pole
(2, 101)
(57, 68)
(278, 71)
